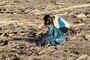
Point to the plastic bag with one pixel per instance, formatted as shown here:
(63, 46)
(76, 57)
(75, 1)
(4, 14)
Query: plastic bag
(54, 36)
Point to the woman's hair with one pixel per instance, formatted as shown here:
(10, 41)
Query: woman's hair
(46, 18)
(53, 17)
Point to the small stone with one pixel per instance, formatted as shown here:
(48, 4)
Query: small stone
(81, 15)
(87, 37)
(11, 35)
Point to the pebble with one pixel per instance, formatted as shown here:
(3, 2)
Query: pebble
(81, 15)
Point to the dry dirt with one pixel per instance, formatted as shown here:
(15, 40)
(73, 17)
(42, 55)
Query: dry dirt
(22, 20)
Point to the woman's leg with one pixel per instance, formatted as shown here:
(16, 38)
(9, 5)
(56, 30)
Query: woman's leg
(64, 29)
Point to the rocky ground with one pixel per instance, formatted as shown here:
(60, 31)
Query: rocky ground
(22, 20)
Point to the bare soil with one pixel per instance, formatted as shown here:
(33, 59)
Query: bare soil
(22, 20)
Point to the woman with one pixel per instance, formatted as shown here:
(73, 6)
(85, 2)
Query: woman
(53, 36)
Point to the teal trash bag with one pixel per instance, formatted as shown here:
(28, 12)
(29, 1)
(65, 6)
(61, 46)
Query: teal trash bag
(53, 36)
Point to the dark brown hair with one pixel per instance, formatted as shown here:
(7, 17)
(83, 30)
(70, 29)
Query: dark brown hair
(46, 18)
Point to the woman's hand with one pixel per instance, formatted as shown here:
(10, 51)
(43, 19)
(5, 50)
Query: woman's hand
(42, 34)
